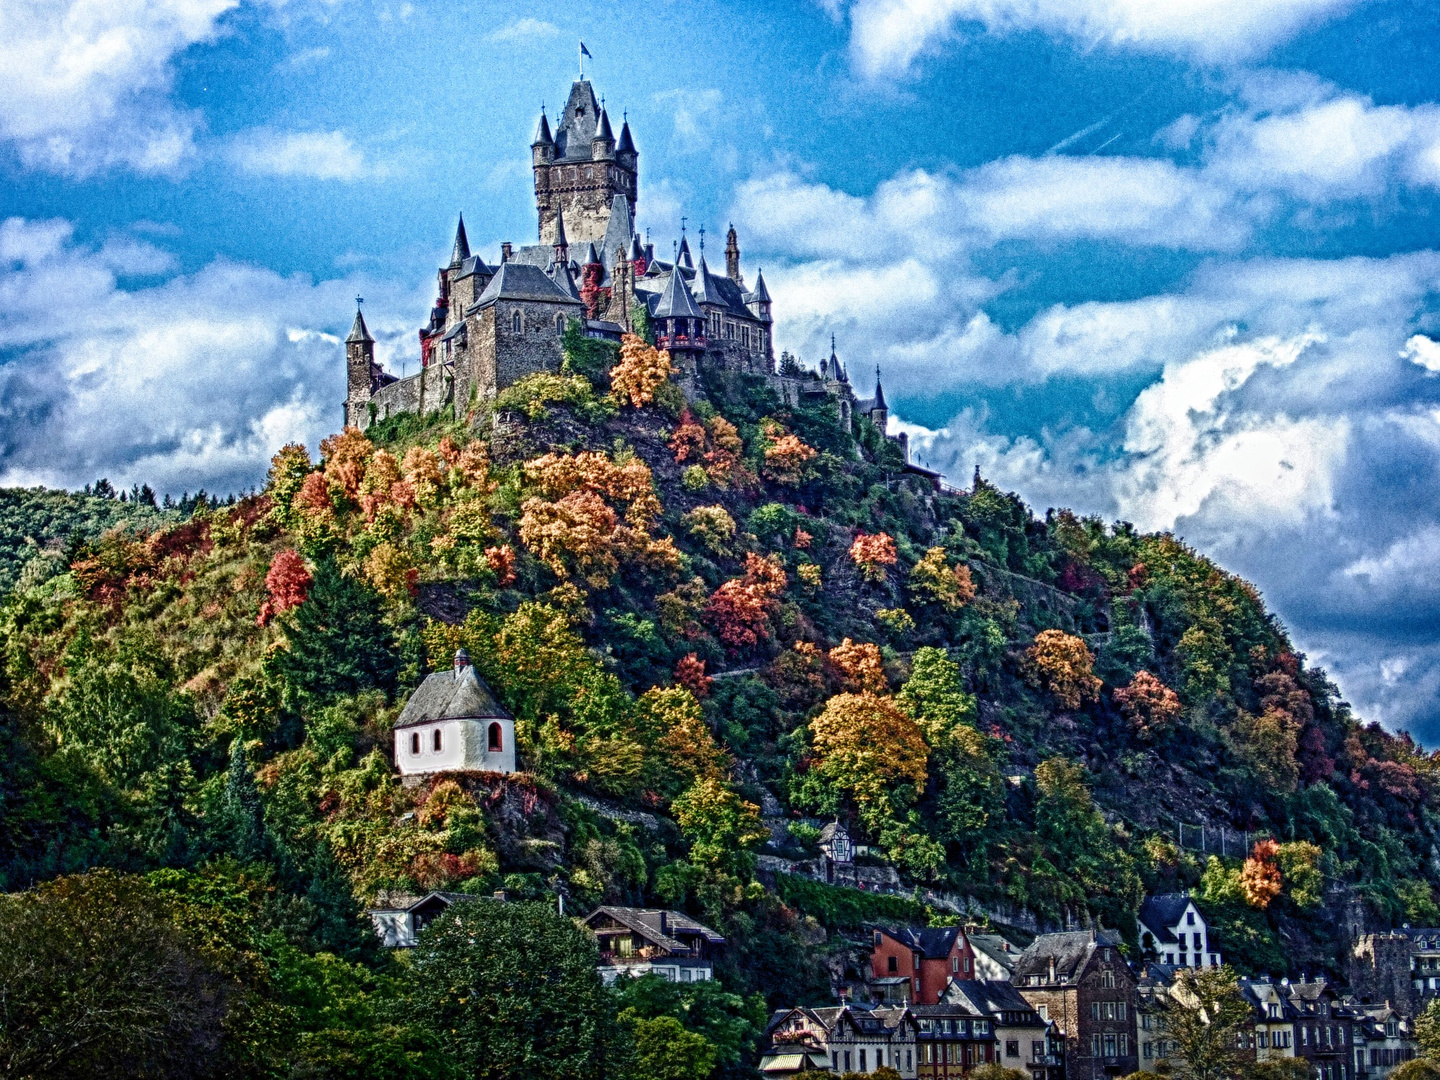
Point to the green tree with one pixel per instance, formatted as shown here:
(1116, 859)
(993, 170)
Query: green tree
(337, 641)
(97, 979)
(664, 1050)
(514, 989)
(730, 1022)
(1201, 1017)
(1427, 1030)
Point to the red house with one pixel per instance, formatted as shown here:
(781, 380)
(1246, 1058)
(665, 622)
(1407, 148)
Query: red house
(915, 965)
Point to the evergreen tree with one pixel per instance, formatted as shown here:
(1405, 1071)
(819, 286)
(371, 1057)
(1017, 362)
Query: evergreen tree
(338, 641)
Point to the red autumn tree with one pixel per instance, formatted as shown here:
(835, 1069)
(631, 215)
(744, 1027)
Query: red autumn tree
(690, 673)
(502, 561)
(287, 585)
(739, 610)
(1148, 704)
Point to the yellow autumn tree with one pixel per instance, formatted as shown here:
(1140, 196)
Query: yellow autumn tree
(861, 665)
(1062, 664)
(934, 581)
(870, 752)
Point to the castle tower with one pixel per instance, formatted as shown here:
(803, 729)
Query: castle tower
(732, 257)
(879, 411)
(679, 324)
(622, 291)
(359, 371)
(582, 168)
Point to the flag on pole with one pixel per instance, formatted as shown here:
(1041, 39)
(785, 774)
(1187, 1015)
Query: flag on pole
(584, 51)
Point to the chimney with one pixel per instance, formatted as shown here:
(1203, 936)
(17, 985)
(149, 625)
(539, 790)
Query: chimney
(462, 661)
(1052, 969)
(506, 250)
(665, 922)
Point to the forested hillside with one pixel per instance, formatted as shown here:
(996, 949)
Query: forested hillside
(692, 609)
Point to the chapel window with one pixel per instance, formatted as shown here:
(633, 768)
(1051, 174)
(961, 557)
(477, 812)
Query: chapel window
(415, 743)
(560, 325)
(496, 741)
(437, 740)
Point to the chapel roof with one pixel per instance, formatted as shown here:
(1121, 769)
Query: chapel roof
(457, 694)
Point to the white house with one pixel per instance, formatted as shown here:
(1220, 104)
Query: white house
(452, 723)
(398, 919)
(646, 941)
(1173, 930)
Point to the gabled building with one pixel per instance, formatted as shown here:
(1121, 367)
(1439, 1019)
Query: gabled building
(952, 1039)
(398, 918)
(1383, 1039)
(1081, 982)
(452, 723)
(1271, 1033)
(1324, 1030)
(644, 941)
(1172, 931)
(916, 964)
(995, 957)
(1023, 1040)
(843, 1039)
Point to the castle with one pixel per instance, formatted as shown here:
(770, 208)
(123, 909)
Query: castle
(492, 325)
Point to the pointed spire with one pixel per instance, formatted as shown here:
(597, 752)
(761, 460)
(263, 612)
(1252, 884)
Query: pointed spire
(676, 301)
(761, 295)
(879, 391)
(682, 258)
(542, 132)
(602, 130)
(461, 251)
(704, 287)
(834, 363)
(592, 257)
(560, 241)
(626, 144)
(359, 332)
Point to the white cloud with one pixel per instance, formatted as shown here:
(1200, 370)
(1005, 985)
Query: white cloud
(1411, 562)
(192, 382)
(888, 35)
(319, 155)
(1423, 351)
(526, 29)
(90, 82)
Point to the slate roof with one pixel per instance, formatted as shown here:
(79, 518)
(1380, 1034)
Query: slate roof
(705, 289)
(931, 942)
(602, 129)
(619, 231)
(675, 300)
(575, 127)
(1071, 952)
(626, 144)
(521, 281)
(760, 292)
(646, 923)
(991, 996)
(358, 330)
(1159, 913)
(995, 947)
(542, 132)
(473, 264)
(461, 251)
(456, 694)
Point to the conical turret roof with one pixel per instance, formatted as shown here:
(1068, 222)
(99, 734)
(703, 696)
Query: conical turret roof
(359, 332)
(879, 391)
(461, 251)
(560, 240)
(542, 132)
(602, 131)
(683, 258)
(760, 294)
(626, 144)
(676, 301)
(591, 255)
(704, 288)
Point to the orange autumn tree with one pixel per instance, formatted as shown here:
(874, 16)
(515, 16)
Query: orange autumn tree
(345, 456)
(640, 372)
(1260, 876)
(787, 457)
(1150, 705)
(872, 553)
(739, 610)
(1062, 664)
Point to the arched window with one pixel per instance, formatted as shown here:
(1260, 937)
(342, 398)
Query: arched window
(496, 740)
(437, 740)
(415, 742)
(516, 324)
(560, 325)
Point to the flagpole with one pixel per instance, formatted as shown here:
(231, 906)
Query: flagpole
(581, 53)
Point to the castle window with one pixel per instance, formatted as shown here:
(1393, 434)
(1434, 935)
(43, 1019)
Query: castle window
(496, 741)
(415, 743)
(437, 740)
(560, 324)
(589, 174)
(516, 322)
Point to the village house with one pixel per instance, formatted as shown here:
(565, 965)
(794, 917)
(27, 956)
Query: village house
(994, 955)
(915, 965)
(1173, 931)
(644, 941)
(1271, 1032)
(452, 723)
(1081, 982)
(841, 1039)
(398, 918)
(952, 1039)
(1023, 1040)
(1383, 1039)
(1323, 1028)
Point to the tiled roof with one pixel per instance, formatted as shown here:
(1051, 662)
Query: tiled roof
(1071, 952)
(451, 695)
(646, 922)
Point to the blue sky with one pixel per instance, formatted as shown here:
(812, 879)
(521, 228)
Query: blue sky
(1170, 263)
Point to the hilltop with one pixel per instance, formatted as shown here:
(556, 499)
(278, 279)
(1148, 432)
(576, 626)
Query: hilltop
(719, 613)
